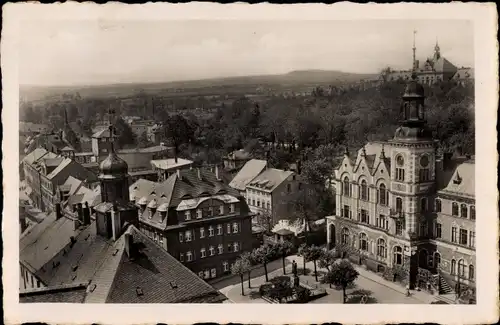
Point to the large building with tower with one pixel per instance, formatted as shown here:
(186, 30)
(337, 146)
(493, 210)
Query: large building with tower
(406, 210)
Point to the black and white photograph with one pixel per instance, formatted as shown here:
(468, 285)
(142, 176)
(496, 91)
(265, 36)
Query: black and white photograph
(259, 161)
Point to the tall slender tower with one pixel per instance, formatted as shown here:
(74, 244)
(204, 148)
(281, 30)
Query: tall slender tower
(414, 52)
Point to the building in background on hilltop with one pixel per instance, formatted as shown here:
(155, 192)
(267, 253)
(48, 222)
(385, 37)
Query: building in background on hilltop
(197, 218)
(405, 210)
(236, 159)
(103, 258)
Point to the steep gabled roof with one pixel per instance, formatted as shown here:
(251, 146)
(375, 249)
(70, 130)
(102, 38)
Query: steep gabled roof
(250, 170)
(463, 181)
(270, 179)
(102, 133)
(35, 155)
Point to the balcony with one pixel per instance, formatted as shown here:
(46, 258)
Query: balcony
(396, 214)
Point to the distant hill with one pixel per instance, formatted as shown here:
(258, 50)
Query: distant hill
(294, 78)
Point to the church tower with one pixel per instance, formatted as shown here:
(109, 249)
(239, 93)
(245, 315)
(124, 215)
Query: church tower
(413, 173)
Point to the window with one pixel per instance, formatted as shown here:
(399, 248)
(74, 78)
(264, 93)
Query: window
(231, 208)
(399, 227)
(300, 186)
(228, 228)
(400, 174)
(438, 233)
(453, 269)
(268, 206)
(399, 204)
(463, 210)
(236, 247)
(454, 234)
(382, 222)
(398, 255)
(463, 237)
(235, 227)
(454, 209)
(202, 232)
(364, 191)
(199, 214)
(210, 211)
(345, 236)
(189, 256)
(363, 242)
(225, 266)
(258, 203)
(229, 248)
(461, 268)
(213, 273)
(345, 212)
(437, 205)
(201, 274)
(381, 248)
(221, 209)
(437, 260)
(188, 215)
(347, 187)
(188, 235)
(181, 237)
(383, 195)
(210, 231)
(212, 251)
(181, 257)
(472, 239)
(471, 272)
(423, 204)
(253, 202)
(472, 212)
(423, 229)
(220, 248)
(207, 274)
(219, 229)
(364, 216)
(289, 188)
(203, 252)
(424, 175)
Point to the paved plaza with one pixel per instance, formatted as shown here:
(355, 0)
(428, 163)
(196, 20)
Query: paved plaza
(380, 290)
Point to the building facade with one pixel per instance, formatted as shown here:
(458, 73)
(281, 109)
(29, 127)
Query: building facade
(198, 219)
(394, 206)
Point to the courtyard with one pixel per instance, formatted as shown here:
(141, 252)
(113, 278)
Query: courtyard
(374, 287)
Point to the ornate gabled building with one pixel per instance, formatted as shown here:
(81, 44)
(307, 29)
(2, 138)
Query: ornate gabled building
(395, 211)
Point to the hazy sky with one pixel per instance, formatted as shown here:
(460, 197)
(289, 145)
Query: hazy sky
(93, 52)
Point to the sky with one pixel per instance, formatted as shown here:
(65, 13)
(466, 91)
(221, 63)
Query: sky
(74, 52)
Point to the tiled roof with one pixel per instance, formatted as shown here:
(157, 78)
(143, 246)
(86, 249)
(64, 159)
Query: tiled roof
(65, 293)
(250, 170)
(102, 133)
(73, 184)
(462, 182)
(35, 155)
(170, 163)
(52, 162)
(64, 163)
(174, 189)
(114, 278)
(45, 241)
(270, 178)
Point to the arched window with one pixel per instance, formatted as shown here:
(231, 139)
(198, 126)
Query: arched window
(363, 242)
(472, 212)
(383, 195)
(399, 204)
(398, 255)
(453, 267)
(463, 210)
(423, 204)
(454, 209)
(345, 236)
(364, 191)
(437, 260)
(347, 187)
(461, 268)
(381, 248)
(471, 272)
(437, 205)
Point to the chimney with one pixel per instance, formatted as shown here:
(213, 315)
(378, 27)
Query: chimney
(80, 212)
(86, 214)
(58, 211)
(217, 175)
(198, 172)
(129, 246)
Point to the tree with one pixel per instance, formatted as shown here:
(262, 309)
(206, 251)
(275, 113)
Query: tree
(304, 252)
(281, 288)
(124, 132)
(143, 141)
(249, 258)
(240, 267)
(341, 274)
(314, 253)
(264, 254)
(326, 260)
(284, 248)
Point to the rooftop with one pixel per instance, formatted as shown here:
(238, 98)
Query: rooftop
(270, 179)
(170, 163)
(250, 170)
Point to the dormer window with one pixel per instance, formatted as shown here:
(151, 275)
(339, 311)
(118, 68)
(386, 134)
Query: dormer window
(187, 214)
(231, 208)
(199, 213)
(221, 209)
(457, 179)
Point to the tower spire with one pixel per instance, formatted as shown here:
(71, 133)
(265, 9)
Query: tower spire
(414, 51)
(111, 115)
